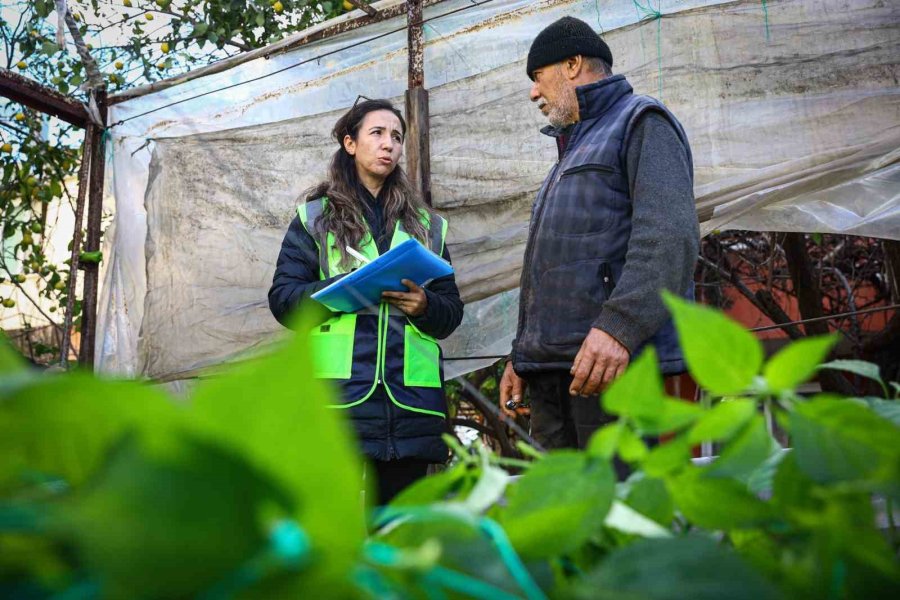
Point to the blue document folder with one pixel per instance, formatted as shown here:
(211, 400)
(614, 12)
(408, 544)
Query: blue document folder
(362, 288)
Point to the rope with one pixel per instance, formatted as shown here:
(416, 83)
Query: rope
(490, 529)
(302, 62)
(289, 549)
(765, 7)
(649, 13)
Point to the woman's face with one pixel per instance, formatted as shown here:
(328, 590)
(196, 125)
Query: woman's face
(378, 145)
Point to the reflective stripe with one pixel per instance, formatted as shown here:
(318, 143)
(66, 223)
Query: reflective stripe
(310, 214)
(436, 234)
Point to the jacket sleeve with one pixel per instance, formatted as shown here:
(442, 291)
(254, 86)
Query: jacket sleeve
(445, 308)
(665, 236)
(296, 272)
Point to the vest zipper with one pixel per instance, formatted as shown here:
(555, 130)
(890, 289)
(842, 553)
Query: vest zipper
(381, 378)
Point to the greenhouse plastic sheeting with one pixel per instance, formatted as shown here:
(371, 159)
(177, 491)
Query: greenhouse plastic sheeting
(792, 108)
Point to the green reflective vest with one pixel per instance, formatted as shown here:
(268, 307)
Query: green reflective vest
(377, 345)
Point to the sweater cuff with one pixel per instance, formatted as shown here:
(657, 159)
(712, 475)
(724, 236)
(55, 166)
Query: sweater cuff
(427, 317)
(621, 328)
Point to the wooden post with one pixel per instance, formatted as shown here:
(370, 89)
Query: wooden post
(83, 174)
(92, 241)
(418, 139)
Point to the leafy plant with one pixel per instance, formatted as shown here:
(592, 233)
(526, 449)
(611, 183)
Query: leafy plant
(250, 488)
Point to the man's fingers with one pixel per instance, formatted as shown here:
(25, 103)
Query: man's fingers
(582, 372)
(595, 379)
(612, 373)
(577, 361)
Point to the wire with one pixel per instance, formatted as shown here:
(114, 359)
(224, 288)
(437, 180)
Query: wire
(829, 317)
(755, 329)
(302, 62)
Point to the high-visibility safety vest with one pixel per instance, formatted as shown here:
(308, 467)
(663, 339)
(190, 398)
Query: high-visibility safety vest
(376, 345)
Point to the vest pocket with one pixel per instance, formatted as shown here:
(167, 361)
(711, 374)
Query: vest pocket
(422, 359)
(332, 346)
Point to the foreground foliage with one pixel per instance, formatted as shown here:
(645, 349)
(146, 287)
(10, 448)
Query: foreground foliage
(251, 488)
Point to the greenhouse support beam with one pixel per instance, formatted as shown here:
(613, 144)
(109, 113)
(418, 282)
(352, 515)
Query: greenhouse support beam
(83, 175)
(418, 138)
(387, 9)
(92, 241)
(364, 6)
(30, 93)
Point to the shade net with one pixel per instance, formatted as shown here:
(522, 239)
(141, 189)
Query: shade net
(792, 109)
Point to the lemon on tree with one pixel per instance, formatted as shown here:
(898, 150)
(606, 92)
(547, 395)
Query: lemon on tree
(19, 117)
(119, 64)
(22, 64)
(148, 16)
(9, 303)
(127, 3)
(7, 148)
(164, 47)
(348, 5)
(278, 7)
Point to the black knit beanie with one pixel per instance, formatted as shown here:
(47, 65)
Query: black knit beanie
(564, 38)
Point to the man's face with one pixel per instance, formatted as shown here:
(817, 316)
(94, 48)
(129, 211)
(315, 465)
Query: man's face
(555, 95)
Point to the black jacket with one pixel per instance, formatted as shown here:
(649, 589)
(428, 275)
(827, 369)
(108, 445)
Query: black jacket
(386, 432)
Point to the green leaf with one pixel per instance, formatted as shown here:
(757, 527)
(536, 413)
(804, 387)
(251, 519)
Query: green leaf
(431, 489)
(638, 393)
(558, 504)
(605, 441)
(761, 480)
(274, 413)
(723, 421)
(716, 503)
(668, 457)
(649, 497)
(631, 447)
(742, 455)
(888, 409)
(10, 360)
(627, 520)
(673, 415)
(200, 29)
(796, 363)
(674, 569)
(843, 441)
(170, 524)
(721, 355)
(857, 367)
(260, 19)
(49, 48)
(64, 425)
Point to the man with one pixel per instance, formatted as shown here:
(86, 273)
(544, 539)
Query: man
(613, 224)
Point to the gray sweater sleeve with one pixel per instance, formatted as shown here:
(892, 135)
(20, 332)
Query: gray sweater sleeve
(665, 236)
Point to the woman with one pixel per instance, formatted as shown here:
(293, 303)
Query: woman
(384, 358)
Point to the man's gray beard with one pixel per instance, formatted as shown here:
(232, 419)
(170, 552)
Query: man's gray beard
(566, 112)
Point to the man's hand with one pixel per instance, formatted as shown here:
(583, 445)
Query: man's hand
(512, 387)
(413, 303)
(601, 359)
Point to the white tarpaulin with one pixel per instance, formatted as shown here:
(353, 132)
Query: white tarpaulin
(792, 109)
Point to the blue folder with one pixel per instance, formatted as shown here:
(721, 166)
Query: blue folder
(362, 288)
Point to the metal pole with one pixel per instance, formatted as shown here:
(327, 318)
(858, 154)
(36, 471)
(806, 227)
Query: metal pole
(92, 242)
(418, 139)
(86, 153)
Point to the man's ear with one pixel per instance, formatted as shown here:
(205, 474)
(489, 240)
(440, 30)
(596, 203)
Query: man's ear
(573, 66)
(350, 145)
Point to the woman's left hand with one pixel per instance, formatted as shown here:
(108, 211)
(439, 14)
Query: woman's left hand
(413, 303)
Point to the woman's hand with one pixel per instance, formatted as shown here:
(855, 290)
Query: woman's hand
(413, 303)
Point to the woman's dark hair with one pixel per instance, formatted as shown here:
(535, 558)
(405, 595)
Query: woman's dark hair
(344, 214)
